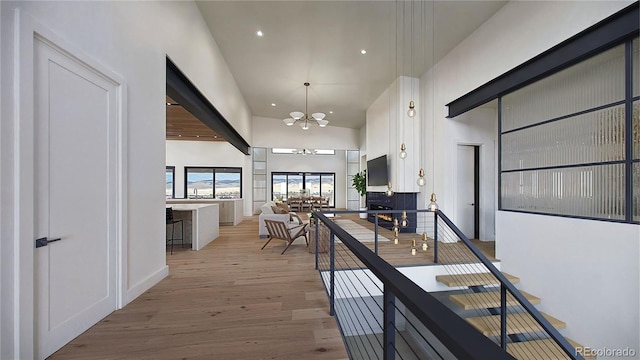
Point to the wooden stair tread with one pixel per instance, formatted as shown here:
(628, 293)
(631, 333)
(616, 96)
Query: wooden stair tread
(533, 350)
(474, 279)
(485, 300)
(516, 324)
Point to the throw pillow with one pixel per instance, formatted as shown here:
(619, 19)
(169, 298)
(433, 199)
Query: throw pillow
(279, 210)
(284, 206)
(266, 208)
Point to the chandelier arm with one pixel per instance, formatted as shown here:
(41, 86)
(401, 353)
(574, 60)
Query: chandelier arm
(300, 116)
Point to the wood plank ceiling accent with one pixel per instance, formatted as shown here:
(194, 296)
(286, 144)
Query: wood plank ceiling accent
(182, 125)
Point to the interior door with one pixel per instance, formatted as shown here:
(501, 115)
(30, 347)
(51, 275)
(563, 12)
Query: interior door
(75, 196)
(465, 194)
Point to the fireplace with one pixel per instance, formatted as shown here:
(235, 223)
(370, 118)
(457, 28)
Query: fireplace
(399, 201)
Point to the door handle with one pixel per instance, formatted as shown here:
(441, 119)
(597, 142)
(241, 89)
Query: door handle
(44, 241)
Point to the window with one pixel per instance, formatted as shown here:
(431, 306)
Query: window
(286, 185)
(569, 142)
(213, 182)
(290, 151)
(170, 173)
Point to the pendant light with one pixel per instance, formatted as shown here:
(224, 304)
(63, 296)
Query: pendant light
(403, 151)
(413, 247)
(433, 205)
(421, 180)
(424, 242)
(412, 106)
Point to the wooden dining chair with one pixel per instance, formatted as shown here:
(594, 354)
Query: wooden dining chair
(280, 230)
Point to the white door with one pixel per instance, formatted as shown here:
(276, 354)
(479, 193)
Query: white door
(75, 197)
(465, 194)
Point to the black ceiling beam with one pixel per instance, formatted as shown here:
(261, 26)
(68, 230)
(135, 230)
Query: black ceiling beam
(606, 34)
(182, 90)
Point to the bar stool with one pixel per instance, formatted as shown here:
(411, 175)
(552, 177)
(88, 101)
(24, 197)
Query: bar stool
(172, 222)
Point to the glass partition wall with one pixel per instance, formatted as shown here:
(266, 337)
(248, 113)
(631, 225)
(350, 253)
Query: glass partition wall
(570, 143)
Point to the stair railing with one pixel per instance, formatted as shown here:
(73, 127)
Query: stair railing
(447, 232)
(387, 299)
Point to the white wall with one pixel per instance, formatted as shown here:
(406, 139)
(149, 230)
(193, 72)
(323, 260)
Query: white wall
(131, 39)
(273, 133)
(312, 163)
(586, 272)
(181, 153)
(564, 253)
(477, 127)
(388, 126)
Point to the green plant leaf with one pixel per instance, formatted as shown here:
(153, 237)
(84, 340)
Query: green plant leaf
(360, 182)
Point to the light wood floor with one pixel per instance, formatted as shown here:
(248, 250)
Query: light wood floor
(228, 301)
(231, 300)
(400, 254)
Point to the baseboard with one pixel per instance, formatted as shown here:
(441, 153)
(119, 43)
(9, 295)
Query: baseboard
(146, 284)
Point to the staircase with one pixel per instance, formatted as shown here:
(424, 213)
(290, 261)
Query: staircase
(522, 329)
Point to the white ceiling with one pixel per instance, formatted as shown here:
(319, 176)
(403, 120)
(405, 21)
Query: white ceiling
(320, 42)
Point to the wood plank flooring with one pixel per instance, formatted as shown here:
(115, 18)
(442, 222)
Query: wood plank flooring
(228, 301)
(233, 301)
(400, 254)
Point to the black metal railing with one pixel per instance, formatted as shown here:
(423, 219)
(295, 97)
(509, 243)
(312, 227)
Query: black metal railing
(384, 314)
(377, 307)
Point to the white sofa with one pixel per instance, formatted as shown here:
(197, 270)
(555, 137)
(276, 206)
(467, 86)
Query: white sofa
(267, 213)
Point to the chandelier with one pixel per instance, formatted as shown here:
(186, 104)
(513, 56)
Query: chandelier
(303, 117)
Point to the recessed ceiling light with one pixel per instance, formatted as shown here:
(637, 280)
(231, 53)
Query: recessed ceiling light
(363, 51)
(215, 136)
(330, 112)
(179, 135)
(168, 104)
(273, 104)
(259, 33)
(197, 135)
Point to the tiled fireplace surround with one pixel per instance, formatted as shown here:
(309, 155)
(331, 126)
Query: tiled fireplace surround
(399, 201)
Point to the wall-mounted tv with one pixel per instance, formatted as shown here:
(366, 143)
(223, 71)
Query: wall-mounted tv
(377, 171)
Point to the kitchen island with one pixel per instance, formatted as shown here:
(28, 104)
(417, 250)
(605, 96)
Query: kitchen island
(200, 221)
(231, 210)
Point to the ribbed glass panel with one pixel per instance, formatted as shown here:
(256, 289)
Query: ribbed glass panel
(594, 82)
(590, 191)
(259, 154)
(259, 181)
(636, 67)
(636, 192)
(260, 194)
(593, 137)
(259, 167)
(636, 129)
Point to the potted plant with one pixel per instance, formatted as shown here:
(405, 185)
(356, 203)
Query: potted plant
(360, 184)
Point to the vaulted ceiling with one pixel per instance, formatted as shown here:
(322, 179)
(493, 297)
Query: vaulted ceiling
(320, 42)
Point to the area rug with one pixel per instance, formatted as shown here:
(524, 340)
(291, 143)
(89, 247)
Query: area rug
(358, 231)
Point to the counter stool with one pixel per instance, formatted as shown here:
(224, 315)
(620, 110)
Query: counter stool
(172, 222)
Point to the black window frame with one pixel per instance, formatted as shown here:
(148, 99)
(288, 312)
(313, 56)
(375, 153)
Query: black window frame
(620, 28)
(304, 181)
(214, 170)
(173, 181)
